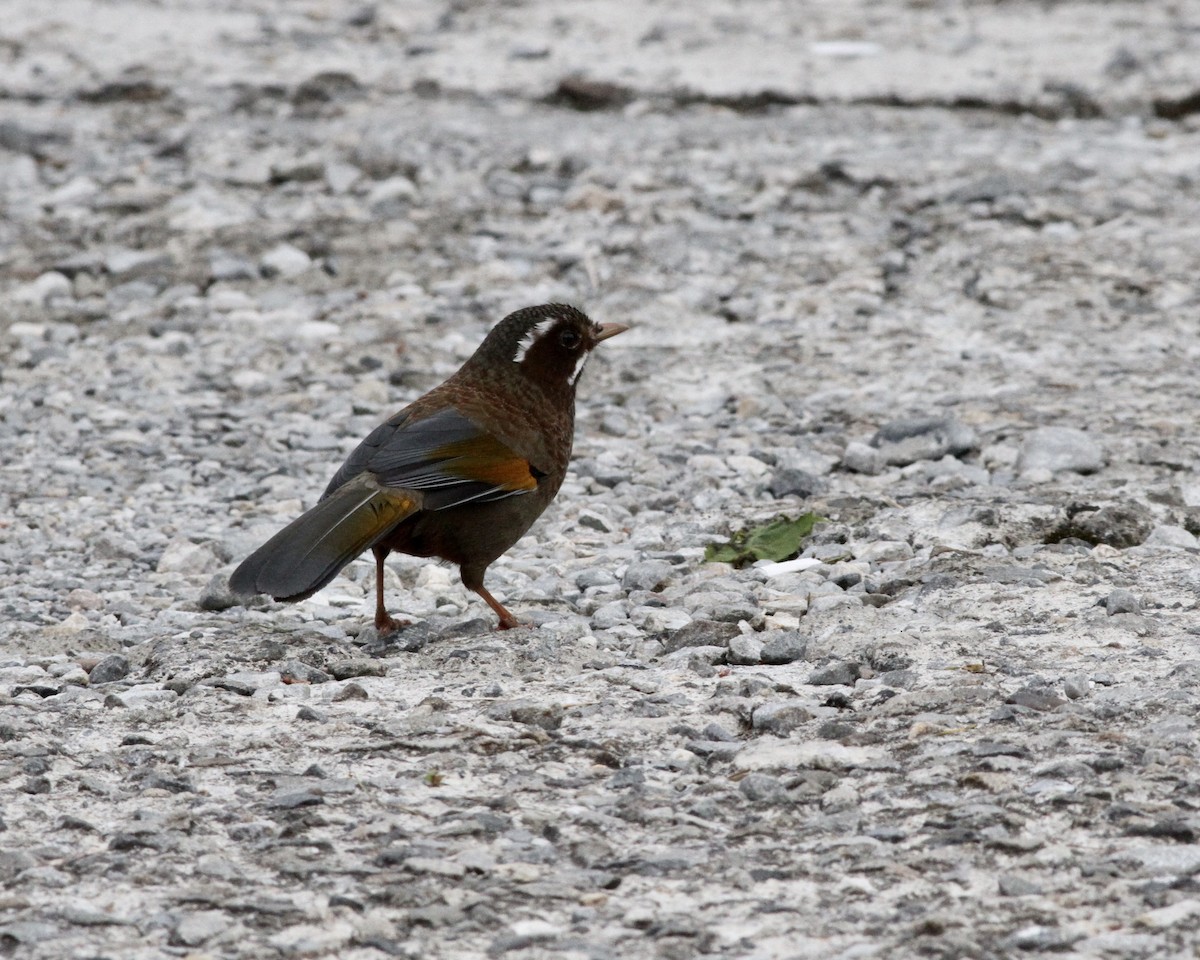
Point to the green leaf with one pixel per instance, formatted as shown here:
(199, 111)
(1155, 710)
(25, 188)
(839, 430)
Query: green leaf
(778, 540)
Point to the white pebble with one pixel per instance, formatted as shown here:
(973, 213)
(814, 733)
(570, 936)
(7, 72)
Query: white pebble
(772, 569)
(48, 287)
(284, 261)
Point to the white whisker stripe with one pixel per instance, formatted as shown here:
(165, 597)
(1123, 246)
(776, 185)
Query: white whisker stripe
(579, 365)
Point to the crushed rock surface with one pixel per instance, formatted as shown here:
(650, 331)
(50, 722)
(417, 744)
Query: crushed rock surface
(928, 271)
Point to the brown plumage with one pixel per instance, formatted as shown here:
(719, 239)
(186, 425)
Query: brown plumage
(459, 474)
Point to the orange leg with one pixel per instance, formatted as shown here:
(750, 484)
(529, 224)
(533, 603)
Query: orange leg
(507, 620)
(384, 623)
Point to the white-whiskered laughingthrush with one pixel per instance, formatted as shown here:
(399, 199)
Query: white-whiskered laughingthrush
(459, 474)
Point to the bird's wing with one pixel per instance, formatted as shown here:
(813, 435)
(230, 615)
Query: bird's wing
(446, 456)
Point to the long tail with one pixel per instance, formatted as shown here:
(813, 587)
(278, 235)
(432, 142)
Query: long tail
(306, 554)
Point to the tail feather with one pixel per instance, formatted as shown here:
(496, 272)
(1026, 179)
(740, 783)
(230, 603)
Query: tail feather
(306, 554)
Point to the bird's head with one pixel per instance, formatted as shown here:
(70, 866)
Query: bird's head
(549, 343)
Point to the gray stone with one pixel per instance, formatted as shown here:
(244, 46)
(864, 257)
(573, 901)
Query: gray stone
(112, 668)
(37, 785)
(34, 140)
(836, 673)
(229, 267)
(902, 442)
(184, 556)
(1036, 698)
(846, 578)
(43, 290)
(1121, 601)
(1060, 448)
(627, 777)
(701, 633)
(289, 799)
(888, 656)
(28, 932)
(193, 929)
(239, 685)
(109, 546)
(793, 482)
(82, 916)
(142, 695)
(347, 669)
(284, 260)
(351, 691)
(1119, 943)
(297, 671)
(1037, 939)
(735, 611)
(714, 749)
(15, 862)
(1120, 525)
(1015, 574)
(657, 620)
(862, 458)
(701, 660)
(610, 615)
(989, 187)
(323, 88)
(594, 521)
(836, 730)
(594, 577)
(341, 177)
(649, 575)
(745, 650)
(1165, 535)
(124, 265)
(131, 295)
(904, 679)
(216, 595)
(302, 169)
(546, 716)
(714, 731)
(763, 788)
(780, 717)
(391, 197)
(436, 866)
(839, 602)
(883, 551)
(785, 647)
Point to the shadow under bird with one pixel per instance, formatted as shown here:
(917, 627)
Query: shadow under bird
(459, 474)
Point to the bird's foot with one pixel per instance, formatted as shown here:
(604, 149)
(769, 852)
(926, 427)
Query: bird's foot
(386, 625)
(507, 620)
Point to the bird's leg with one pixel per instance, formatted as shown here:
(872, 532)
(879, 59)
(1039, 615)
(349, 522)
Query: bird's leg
(507, 620)
(384, 623)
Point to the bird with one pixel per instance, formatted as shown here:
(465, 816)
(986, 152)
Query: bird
(460, 474)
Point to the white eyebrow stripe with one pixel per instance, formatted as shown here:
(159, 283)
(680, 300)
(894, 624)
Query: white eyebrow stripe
(534, 332)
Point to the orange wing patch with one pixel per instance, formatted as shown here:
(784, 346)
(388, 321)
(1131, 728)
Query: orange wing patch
(378, 512)
(486, 460)
(392, 507)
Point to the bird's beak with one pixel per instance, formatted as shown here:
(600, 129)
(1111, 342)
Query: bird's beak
(609, 330)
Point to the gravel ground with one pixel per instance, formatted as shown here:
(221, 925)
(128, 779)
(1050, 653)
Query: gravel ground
(928, 270)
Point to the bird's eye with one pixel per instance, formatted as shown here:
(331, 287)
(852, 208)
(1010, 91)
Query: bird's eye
(570, 339)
